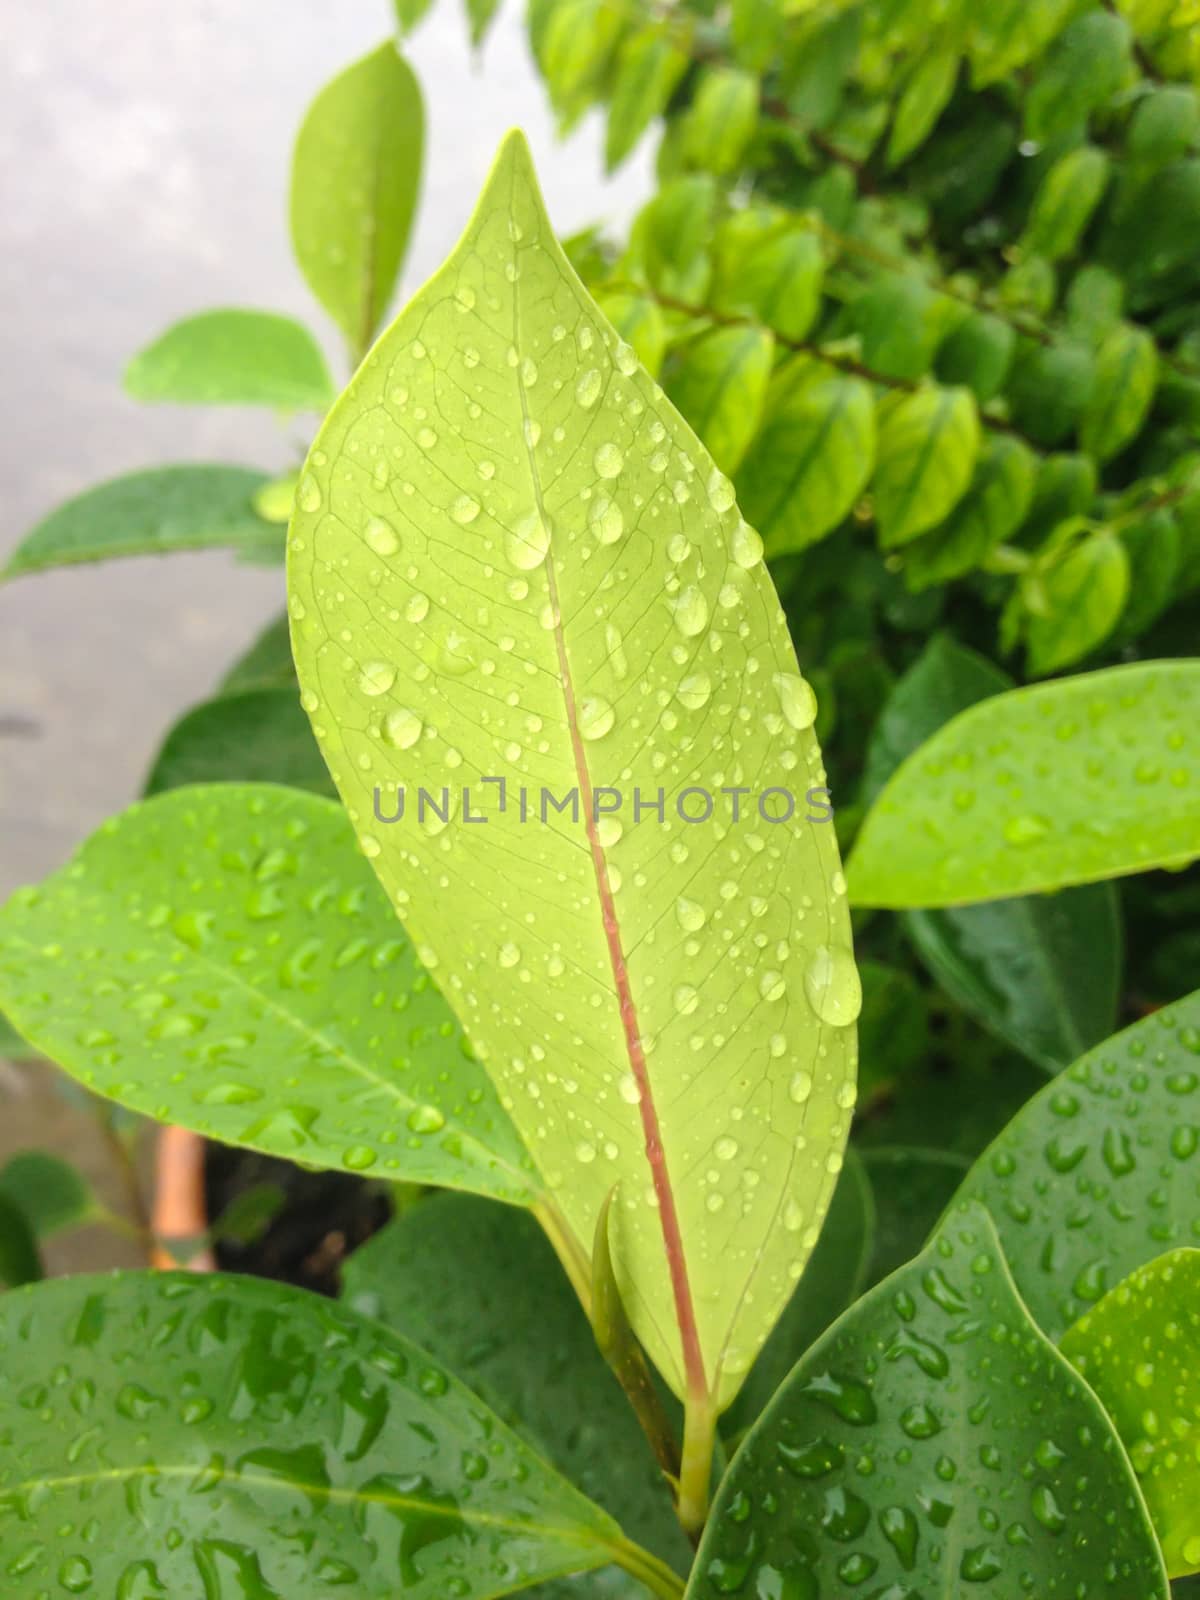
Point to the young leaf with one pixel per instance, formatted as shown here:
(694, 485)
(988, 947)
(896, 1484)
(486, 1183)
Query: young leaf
(1069, 782)
(238, 972)
(719, 382)
(448, 1270)
(933, 1440)
(722, 119)
(1126, 374)
(1122, 1123)
(926, 455)
(649, 66)
(1139, 1350)
(1074, 604)
(589, 605)
(375, 1470)
(925, 97)
(233, 358)
(146, 514)
(811, 458)
(257, 735)
(356, 172)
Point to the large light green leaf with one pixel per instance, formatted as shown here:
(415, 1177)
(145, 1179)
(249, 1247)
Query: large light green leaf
(928, 442)
(236, 970)
(240, 358)
(1100, 1172)
(356, 173)
(569, 600)
(931, 1443)
(1139, 1349)
(1042, 971)
(1069, 782)
(719, 382)
(257, 735)
(812, 457)
(168, 1434)
(477, 1286)
(146, 514)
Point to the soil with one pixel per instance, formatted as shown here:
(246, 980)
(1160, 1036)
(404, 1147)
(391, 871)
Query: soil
(323, 1217)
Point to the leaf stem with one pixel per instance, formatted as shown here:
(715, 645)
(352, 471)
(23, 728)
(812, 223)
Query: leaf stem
(568, 1250)
(695, 1469)
(647, 1568)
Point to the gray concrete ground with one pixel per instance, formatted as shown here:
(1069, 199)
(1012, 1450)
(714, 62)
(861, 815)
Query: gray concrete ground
(145, 154)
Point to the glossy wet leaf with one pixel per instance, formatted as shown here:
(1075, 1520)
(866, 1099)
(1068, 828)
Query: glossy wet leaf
(1100, 1172)
(925, 457)
(50, 1192)
(1041, 971)
(356, 173)
(147, 513)
(238, 971)
(1090, 777)
(444, 1276)
(834, 1278)
(255, 735)
(568, 600)
(180, 1434)
(237, 358)
(932, 1440)
(1140, 1351)
(811, 458)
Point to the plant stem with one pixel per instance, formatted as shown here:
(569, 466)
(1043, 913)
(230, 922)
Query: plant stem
(659, 1578)
(695, 1468)
(568, 1250)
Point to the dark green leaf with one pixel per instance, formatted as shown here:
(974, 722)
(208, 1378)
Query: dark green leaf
(910, 1416)
(49, 1192)
(19, 1259)
(477, 1286)
(249, 736)
(1165, 125)
(1087, 66)
(238, 358)
(147, 513)
(356, 172)
(1100, 1172)
(912, 1187)
(812, 456)
(232, 1436)
(1153, 545)
(239, 971)
(901, 321)
(893, 1027)
(1049, 387)
(977, 354)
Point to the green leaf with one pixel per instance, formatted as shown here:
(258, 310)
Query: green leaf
(396, 1476)
(925, 97)
(1075, 603)
(977, 354)
(356, 173)
(267, 664)
(722, 119)
(719, 382)
(990, 512)
(239, 972)
(1165, 124)
(649, 66)
(12, 1046)
(253, 735)
(834, 1278)
(443, 1276)
(812, 456)
(480, 14)
(233, 358)
(893, 1028)
(639, 321)
(1100, 1172)
(1126, 375)
(147, 513)
(1041, 972)
(1008, 34)
(1086, 68)
(911, 1416)
(409, 13)
(1061, 783)
(1095, 303)
(928, 442)
(778, 281)
(19, 1259)
(901, 322)
(1050, 387)
(574, 51)
(49, 1192)
(1151, 241)
(756, 28)
(1139, 1349)
(611, 565)
(1065, 202)
(1154, 548)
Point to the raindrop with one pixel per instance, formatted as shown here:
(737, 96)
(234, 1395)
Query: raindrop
(832, 985)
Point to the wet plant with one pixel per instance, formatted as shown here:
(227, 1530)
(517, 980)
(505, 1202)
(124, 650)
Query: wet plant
(702, 1307)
